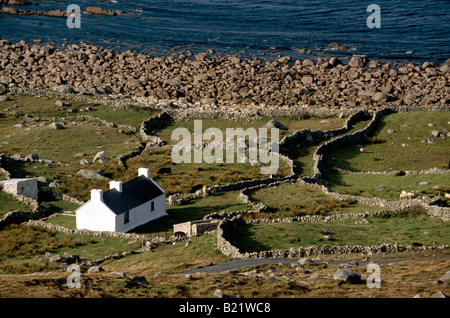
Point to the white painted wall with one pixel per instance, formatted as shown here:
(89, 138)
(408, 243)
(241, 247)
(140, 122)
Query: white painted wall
(95, 216)
(142, 214)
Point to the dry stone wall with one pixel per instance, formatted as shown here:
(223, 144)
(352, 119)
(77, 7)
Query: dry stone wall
(229, 225)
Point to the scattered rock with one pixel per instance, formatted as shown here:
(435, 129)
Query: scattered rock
(4, 98)
(90, 174)
(139, 279)
(347, 275)
(218, 293)
(95, 269)
(275, 124)
(435, 133)
(439, 294)
(64, 89)
(446, 277)
(55, 126)
(356, 62)
(120, 274)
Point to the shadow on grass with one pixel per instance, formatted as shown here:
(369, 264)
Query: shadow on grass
(242, 239)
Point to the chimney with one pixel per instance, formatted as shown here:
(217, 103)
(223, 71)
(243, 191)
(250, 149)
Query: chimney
(144, 172)
(96, 195)
(115, 185)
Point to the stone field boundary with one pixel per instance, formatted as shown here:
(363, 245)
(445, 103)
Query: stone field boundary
(248, 186)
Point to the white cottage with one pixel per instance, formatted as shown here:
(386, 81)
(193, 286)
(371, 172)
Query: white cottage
(123, 207)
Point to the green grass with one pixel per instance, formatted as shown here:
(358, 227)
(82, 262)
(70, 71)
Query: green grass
(405, 230)
(61, 145)
(171, 259)
(67, 221)
(387, 153)
(9, 203)
(122, 116)
(19, 244)
(60, 206)
(46, 108)
(294, 199)
(392, 185)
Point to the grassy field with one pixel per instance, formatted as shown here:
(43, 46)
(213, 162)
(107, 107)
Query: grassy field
(47, 108)
(406, 230)
(294, 199)
(403, 149)
(20, 245)
(163, 268)
(388, 187)
(9, 203)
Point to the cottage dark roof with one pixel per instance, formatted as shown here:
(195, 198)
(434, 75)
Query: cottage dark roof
(134, 193)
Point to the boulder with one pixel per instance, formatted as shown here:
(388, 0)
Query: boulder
(379, 97)
(439, 294)
(275, 124)
(32, 157)
(347, 275)
(55, 126)
(90, 174)
(218, 293)
(307, 80)
(356, 61)
(95, 269)
(446, 277)
(435, 133)
(64, 89)
(4, 98)
(138, 279)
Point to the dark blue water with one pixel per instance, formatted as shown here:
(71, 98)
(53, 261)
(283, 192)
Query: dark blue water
(258, 27)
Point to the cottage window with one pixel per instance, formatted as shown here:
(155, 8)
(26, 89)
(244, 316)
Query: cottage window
(153, 206)
(126, 217)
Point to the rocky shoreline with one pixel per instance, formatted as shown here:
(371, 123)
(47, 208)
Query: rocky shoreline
(225, 81)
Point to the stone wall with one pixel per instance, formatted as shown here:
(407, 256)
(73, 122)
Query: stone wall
(151, 125)
(227, 226)
(306, 136)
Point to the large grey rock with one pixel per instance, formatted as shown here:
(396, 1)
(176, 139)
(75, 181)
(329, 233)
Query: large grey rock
(218, 293)
(446, 277)
(347, 275)
(32, 157)
(64, 89)
(275, 124)
(90, 174)
(55, 126)
(4, 98)
(439, 294)
(435, 133)
(356, 61)
(139, 279)
(95, 269)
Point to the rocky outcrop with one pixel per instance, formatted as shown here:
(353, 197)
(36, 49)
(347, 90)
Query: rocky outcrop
(213, 81)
